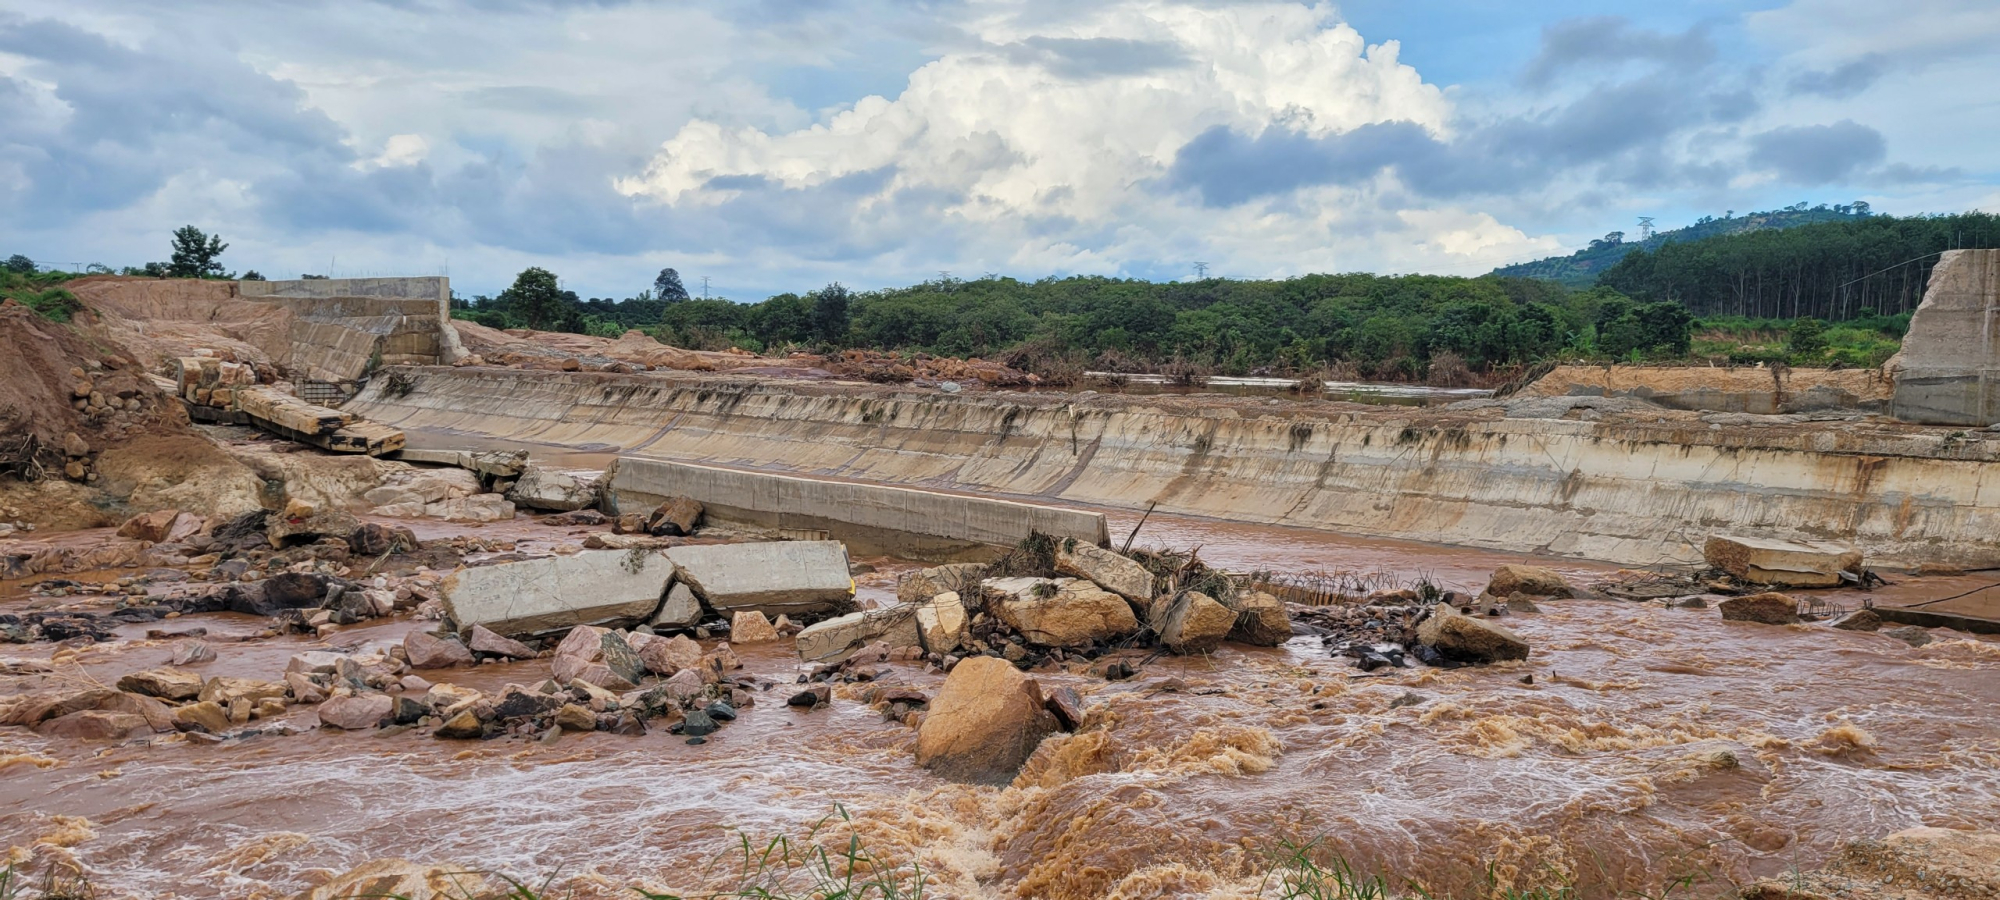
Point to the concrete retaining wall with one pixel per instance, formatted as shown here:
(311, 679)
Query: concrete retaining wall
(1950, 364)
(431, 293)
(871, 517)
(1627, 490)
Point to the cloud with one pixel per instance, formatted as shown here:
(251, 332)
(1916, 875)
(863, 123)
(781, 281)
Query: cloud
(1818, 154)
(1613, 40)
(1096, 57)
(1842, 81)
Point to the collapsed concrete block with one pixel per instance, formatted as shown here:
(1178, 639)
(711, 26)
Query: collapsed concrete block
(535, 596)
(838, 638)
(677, 517)
(1781, 563)
(562, 490)
(680, 610)
(1112, 572)
(771, 578)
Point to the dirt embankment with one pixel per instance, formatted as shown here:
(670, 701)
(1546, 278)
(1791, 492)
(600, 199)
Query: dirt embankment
(1761, 391)
(86, 438)
(157, 319)
(634, 351)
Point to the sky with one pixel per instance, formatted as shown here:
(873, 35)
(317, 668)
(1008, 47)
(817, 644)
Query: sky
(779, 145)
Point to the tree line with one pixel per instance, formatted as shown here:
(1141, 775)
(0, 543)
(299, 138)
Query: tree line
(1878, 265)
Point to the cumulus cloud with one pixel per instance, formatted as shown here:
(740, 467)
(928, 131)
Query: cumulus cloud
(1069, 148)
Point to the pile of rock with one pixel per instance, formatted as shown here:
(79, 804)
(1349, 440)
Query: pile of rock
(1092, 601)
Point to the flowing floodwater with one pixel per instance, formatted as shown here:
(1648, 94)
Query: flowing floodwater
(1639, 744)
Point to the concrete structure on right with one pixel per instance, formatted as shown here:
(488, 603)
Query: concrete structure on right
(1948, 372)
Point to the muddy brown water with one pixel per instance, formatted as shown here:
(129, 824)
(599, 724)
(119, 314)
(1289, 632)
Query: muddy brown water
(1652, 743)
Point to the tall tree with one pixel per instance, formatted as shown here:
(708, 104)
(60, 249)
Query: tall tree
(535, 299)
(668, 286)
(196, 254)
(829, 313)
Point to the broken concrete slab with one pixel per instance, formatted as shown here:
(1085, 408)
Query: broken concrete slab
(1781, 563)
(1765, 609)
(537, 596)
(677, 517)
(771, 578)
(562, 490)
(838, 638)
(680, 610)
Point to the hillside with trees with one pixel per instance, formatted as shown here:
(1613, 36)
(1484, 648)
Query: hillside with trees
(1833, 270)
(1582, 268)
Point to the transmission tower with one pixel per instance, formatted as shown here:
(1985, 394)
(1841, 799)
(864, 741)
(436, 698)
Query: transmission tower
(1645, 227)
(1201, 270)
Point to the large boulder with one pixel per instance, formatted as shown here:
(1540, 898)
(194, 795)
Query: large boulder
(356, 712)
(533, 596)
(1534, 581)
(274, 595)
(1062, 612)
(1112, 572)
(667, 655)
(1194, 622)
(96, 725)
(958, 578)
(426, 650)
(1461, 638)
(941, 622)
(1781, 563)
(984, 723)
(1261, 619)
(153, 526)
(1767, 609)
(777, 577)
(750, 627)
(562, 490)
(166, 684)
(599, 657)
(297, 525)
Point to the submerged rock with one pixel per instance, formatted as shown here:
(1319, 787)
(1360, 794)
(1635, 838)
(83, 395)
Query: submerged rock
(1767, 609)
(1534, 581)
(1460, 638)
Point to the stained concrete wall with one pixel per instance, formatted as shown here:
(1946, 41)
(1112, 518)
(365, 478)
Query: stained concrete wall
(1950, 363)
(434, 292)
(1632, 491)
(874, 518)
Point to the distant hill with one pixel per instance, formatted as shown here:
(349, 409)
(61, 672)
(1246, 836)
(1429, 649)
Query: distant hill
(1580, 269)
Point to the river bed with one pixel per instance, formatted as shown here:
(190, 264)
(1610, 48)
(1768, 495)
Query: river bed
(1639, 744)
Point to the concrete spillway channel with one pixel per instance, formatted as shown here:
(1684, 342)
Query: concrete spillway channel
(1635, 488)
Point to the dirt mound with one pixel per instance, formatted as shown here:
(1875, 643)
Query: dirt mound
(74, 405)
(157, 319)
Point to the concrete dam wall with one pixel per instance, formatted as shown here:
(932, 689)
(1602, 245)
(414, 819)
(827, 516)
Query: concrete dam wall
(1635, 489)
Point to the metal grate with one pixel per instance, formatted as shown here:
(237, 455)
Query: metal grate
(328, 393)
